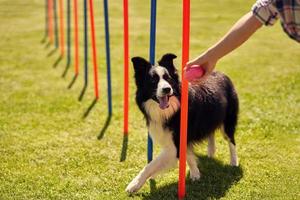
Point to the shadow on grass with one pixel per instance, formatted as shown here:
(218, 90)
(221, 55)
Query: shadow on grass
(73, 81)
(57, 61)
(124, 148)
(88, 110)
(44, 39)
(47, 45)
(81, 95)
(216, 180)
(152, 185)
(66, 69)
(51, 52)
(103, 130)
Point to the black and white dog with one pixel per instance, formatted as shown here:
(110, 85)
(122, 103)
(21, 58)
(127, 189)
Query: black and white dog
(213, 104)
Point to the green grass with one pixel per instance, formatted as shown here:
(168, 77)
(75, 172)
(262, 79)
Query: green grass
(48, 151)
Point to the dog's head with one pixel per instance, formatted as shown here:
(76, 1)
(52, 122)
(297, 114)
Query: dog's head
(158, 82)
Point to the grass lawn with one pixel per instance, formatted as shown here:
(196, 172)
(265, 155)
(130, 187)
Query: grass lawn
(48, 150)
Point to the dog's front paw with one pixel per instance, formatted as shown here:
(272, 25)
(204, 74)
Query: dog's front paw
(134, 186)
(195, 175)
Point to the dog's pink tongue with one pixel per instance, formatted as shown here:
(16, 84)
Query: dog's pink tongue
(163, 102)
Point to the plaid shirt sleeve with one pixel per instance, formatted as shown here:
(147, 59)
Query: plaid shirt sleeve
(265, 12)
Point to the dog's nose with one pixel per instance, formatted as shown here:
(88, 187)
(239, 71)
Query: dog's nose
(166, 90)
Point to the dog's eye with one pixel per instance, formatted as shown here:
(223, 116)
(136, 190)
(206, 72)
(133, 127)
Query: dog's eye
(155, 78)
(166, 77)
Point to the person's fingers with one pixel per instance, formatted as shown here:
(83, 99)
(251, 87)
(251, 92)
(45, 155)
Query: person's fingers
(188, 65)
(207, 71)
(196, 61)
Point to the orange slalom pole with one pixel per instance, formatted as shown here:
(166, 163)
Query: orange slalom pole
(184, 98)
(50, 21)
(126, 64)
(62, 40)
(76, 66)
(94, 49)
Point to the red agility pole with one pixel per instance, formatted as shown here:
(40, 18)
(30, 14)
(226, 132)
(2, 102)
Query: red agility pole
(61, 17)
(76, 52)
(184, 98)
(94, 49)
(50, 21)
(126, 60)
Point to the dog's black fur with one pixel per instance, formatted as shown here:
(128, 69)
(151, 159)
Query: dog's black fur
(213, 102)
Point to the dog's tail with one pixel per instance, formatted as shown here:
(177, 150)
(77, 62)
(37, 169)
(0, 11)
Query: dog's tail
(232, 110)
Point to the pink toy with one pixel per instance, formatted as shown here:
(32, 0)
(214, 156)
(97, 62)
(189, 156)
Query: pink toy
(194, 72)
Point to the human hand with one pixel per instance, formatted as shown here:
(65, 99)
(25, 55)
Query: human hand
(206, 62)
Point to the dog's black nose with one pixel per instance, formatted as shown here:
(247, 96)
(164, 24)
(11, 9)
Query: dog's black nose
(166, 90)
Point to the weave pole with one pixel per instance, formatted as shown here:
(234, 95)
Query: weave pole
(61, 17)
(184, 98)
(46, 19)
(76, 52)
(68, 32)
(50, 21)
(126, 64)
(94, 48)
(55, 24)
(107, 47)
(85, 43)
(152, 61)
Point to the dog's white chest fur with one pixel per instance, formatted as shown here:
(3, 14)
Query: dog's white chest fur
(157, 119)
(160, 135)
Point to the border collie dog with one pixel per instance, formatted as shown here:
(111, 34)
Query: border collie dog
(213, 104)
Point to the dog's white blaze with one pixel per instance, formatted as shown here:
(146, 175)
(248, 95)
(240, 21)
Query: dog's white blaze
(159, 70)
(162, 83)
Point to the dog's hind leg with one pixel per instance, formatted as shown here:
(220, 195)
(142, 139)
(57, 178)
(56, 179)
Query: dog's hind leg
(211, 147)
(192, 163)
(230, 122)
(232, 147)
(233, 154)
(165, 160)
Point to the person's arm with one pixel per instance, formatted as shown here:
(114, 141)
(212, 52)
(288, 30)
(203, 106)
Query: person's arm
(236, 36)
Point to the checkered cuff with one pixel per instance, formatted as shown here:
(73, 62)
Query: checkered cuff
(265, 12)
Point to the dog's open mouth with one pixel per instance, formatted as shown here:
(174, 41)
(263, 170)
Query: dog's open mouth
(163, 102)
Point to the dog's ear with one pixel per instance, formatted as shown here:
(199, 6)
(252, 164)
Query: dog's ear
(140, 65)
(167, 62)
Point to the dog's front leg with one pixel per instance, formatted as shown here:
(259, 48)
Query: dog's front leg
(193, 165)
(165, 160)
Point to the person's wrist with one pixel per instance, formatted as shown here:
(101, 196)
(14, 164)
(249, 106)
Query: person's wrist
(211, 55)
